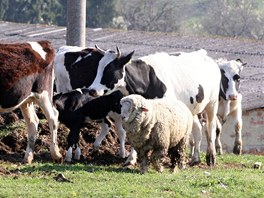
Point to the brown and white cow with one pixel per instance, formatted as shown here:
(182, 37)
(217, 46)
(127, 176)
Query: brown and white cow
(26, 78)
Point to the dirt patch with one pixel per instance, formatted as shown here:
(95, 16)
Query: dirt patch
(13, 145)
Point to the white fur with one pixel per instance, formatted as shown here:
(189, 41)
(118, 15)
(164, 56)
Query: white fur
(231, 68)
(230, 109)
(38, 48)
(158, 123)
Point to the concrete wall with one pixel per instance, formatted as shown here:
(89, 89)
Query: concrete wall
(252, 133)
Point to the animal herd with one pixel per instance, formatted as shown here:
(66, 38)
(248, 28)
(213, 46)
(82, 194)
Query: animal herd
(155, 101)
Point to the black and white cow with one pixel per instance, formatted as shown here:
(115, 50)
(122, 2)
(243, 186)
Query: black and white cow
(77, 106)
(230, 101)
(76, 67)
(184, 77)
(26, 78)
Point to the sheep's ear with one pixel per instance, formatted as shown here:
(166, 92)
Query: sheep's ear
(143, 109)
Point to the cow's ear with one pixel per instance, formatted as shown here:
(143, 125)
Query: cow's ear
(242, 64)
(239, 60)
(125, 59)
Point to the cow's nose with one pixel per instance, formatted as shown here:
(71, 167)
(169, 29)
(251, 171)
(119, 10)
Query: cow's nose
(232, 97)
(92, 92)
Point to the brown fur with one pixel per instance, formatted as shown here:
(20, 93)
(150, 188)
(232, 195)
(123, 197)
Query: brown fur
(19, 60)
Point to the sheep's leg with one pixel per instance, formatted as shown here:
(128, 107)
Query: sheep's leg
(121, 135)
(181, 153)
(32, 122)
(173, 157)
(211, 110)
(157, 158)
(218, 144)
(143, 158)
(104, 131)
(197, 135)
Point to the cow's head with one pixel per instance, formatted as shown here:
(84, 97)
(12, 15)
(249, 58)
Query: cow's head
(110, 73)
(230, 78)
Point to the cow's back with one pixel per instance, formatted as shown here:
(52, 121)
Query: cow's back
(75, 67)
(25, 68)
(193, 78)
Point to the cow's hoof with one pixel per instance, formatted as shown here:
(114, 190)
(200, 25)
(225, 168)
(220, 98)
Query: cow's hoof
(95, 148)
(130, 162)
(219, 150)
(210, 160)
(195, 162)
(59, 161)
(122, 154)
(237, 149)
(77, 154)
(27, 160)
(55, 153)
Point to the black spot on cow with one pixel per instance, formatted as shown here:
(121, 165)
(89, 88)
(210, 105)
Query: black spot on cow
(200, 96)
(224, 84)
(82, 73)
(191, 100)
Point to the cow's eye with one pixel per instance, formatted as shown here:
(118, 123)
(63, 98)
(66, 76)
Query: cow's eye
(236, 78)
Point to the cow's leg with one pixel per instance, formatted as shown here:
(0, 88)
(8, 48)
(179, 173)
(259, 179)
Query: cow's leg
(72, 140)
(191, 144)
(51, 114)
(237, 116)
(197, 136)
(211, 110)
(121, 135)
(132, 158)
(32, 122)
(104, 131)
(218, 144)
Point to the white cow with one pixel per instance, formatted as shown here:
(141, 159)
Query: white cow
(229, 107)
(230, 101)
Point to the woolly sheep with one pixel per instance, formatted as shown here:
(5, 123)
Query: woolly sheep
(159, 126)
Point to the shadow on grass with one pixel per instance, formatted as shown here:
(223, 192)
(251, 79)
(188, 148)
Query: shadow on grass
(43, 164)
(54, 168)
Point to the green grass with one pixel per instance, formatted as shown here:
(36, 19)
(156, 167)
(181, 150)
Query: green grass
(233, 176)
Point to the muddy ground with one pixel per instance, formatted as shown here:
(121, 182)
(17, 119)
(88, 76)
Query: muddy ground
(13, 144)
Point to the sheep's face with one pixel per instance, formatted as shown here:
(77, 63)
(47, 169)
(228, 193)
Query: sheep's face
(131, 110)
(126, 110)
